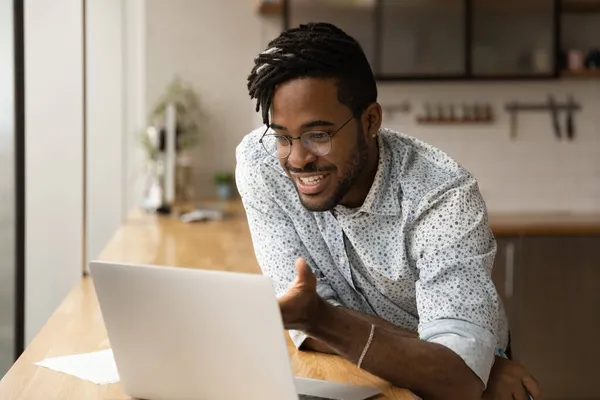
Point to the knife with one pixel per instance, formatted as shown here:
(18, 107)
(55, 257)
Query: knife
(554, 115)
(570, 123)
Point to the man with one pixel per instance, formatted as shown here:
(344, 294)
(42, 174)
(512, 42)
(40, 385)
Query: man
(377, 243)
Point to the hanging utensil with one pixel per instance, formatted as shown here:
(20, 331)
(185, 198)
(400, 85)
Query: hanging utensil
(554, 116)
(570, 122)
(513, 124)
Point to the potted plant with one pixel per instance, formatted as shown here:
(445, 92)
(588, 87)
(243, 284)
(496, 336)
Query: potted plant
(187, 111)
(189, 118)
(224, 185)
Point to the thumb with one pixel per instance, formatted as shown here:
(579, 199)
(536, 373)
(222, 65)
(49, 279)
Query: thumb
(305, 275)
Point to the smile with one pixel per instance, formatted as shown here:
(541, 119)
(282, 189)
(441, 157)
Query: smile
(312, 184)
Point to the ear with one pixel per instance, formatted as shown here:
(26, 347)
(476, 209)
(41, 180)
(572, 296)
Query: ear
(371, 120)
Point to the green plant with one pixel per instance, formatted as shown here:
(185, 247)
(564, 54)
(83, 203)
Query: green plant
(188, 113)
(222, 178)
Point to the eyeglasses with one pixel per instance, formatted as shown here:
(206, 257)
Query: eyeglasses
(316, 142)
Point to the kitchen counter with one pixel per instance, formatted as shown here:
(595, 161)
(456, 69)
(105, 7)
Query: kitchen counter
(77, 325)
(545, 224)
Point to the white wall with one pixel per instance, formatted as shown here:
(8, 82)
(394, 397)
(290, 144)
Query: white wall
(54, 156)
(105, 151)
(535, 172)
(115, 107)
(135, 99)
(211, 44)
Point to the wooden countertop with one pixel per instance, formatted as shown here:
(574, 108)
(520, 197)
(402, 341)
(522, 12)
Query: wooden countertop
(77, 326)
(542, 224)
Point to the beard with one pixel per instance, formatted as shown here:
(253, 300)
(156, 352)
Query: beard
(353, 167)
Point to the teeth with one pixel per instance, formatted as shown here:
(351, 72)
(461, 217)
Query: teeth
(311, 179)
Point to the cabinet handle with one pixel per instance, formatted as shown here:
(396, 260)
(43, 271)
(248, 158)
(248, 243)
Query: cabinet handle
(509, 273)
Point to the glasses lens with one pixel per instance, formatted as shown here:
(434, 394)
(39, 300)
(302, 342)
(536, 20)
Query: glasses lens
(318, 143)
(276, 145)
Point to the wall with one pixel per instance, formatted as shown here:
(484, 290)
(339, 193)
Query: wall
(54, 156)
(115, 110)
(212, 45)
(134, 44)
(535, 172)
(105, 112)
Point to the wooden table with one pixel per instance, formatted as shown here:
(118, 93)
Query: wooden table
(77, 326)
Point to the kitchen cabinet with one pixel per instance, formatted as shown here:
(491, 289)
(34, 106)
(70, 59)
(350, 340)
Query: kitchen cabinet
(445, 39)
(425, 39)
(513, 38)
(551, 288)
(356, 18)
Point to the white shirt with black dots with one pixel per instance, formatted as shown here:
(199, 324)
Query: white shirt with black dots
(418, 253)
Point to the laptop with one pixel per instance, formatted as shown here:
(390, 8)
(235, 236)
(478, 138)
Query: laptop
(179, 334)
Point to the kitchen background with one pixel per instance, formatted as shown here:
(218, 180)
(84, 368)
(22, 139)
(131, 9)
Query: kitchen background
(534, 172)
(110, 76)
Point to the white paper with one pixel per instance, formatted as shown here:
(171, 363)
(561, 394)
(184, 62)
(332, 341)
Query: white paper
(98, 367)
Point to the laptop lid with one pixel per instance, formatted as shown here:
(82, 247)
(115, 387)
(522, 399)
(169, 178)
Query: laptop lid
(180, 333)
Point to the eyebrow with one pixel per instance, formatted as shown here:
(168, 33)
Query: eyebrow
(310, 124)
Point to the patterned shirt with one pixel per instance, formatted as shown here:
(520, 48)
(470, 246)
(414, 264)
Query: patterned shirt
(418, 253)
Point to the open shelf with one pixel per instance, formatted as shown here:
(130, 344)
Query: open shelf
(423, 121)
(271, 8)
(581, 6)
(584, 73)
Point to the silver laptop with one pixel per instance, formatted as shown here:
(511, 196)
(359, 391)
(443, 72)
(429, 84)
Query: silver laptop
(181, 334)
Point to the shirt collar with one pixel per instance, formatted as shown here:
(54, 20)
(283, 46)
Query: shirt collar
(383, 197)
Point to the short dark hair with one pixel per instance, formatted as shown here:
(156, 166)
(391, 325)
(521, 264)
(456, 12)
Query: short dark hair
(319, 50)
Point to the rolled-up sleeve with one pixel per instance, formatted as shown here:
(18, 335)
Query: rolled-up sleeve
(454, 248)
(276, 243)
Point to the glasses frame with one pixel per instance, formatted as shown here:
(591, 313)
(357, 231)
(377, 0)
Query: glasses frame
(291, 139)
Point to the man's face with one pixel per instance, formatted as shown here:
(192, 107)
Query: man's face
(311, 104)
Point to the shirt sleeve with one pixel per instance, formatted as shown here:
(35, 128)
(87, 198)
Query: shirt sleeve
(276, 243)
(454, 248)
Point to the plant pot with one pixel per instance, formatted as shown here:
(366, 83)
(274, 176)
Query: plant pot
(224, 191)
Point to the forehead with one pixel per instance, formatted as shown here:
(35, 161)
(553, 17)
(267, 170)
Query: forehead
(299, 100)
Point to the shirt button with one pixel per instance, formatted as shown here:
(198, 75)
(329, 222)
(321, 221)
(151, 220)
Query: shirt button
(342, 260)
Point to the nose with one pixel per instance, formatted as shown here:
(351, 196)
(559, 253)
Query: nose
(299, 156)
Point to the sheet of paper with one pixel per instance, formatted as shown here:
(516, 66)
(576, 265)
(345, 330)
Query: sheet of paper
(98, 367)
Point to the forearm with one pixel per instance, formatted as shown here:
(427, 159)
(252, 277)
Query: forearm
(430, 370)
(315, 345)
(381, 323)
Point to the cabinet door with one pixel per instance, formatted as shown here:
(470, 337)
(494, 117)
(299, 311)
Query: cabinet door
(422, 38)
(513, 38)
(503, 274)
(356, 18)
(557, 298)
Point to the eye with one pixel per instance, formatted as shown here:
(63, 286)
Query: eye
(318, 137)
(282, 140)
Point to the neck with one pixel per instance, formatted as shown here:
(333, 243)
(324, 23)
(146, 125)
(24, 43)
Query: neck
(356, 196)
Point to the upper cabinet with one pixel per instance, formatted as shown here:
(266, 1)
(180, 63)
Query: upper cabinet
(451, 39)
(421, 38)
(357, 18)
(513, 38)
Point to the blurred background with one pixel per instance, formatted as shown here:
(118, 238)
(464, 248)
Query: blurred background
(90, 92)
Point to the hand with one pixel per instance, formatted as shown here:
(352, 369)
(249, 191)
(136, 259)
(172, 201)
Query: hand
(300, 302)
(510, 381)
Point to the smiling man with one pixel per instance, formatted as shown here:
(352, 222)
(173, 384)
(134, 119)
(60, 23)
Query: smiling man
(377, 243)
